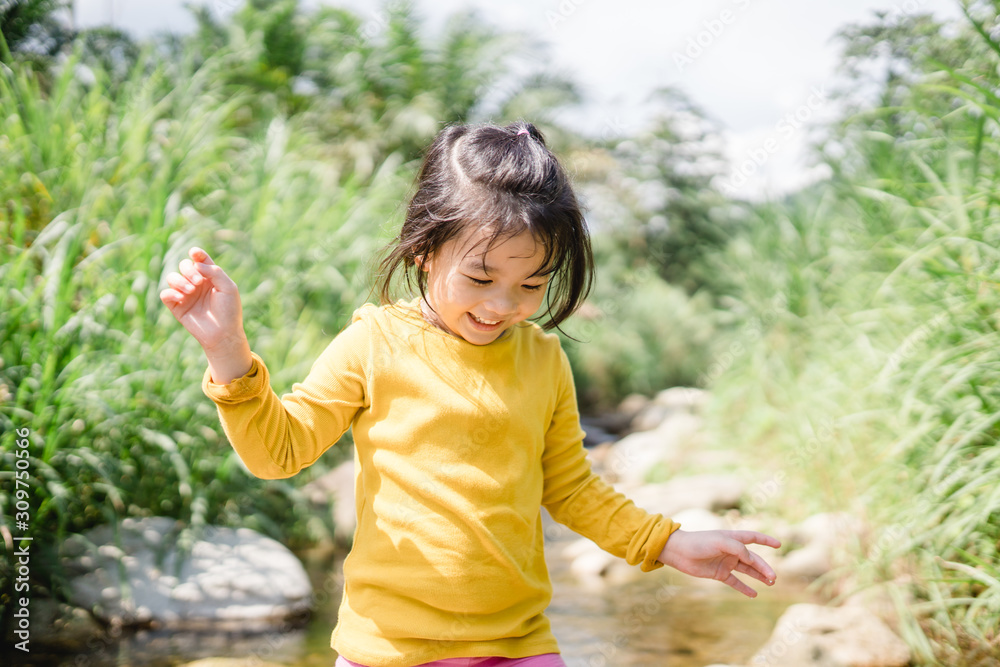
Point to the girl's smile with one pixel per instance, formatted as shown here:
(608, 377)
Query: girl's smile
(479, 296)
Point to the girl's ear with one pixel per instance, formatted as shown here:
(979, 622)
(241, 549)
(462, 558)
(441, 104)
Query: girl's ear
(419, 261)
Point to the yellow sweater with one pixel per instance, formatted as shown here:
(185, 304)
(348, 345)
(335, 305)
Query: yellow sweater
(457, 447)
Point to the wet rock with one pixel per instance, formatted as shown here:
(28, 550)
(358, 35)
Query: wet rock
(810, 635)
(230, 578)
(708, 492)
(337, 488)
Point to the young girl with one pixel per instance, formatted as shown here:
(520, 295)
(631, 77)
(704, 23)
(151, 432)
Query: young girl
(463, 413)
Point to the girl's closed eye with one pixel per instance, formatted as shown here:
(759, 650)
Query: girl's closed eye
(531, 288)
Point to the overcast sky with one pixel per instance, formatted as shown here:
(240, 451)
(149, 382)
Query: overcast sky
(756, 66)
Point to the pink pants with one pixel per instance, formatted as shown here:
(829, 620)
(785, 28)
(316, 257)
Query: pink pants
(544, 660)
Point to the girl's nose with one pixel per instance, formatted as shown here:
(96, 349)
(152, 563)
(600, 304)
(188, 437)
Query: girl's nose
(501, 306)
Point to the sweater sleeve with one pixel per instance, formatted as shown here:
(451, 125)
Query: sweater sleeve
(278, 437)
(578, 498)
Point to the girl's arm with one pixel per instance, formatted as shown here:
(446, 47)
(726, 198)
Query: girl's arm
(274, 437)
(578, 498)
(277, 437)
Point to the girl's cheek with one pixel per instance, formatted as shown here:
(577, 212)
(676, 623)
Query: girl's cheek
(454, 292)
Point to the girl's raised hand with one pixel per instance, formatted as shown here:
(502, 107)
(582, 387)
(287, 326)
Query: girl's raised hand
(206, 302)
(718, 554)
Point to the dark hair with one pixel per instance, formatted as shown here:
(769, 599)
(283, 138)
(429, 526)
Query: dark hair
(505, 179)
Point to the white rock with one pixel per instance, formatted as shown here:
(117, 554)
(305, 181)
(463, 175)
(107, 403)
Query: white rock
(831, 527)
(588, 563)
(683, 399)
(591, 564)
(632, 404)
(696, 518)
(650, 417)
(650, 414)
(809, 562)
(821, 537)
(707, 492)
(810, 635)
(578, 547)
(631, 458)
(229, 575)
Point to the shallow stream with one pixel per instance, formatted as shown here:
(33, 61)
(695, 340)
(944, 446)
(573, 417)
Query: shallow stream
(662, 619)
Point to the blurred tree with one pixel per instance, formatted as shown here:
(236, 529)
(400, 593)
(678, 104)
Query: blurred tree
(110, 51)
(373, 86)
(667, 212)
(31, 28)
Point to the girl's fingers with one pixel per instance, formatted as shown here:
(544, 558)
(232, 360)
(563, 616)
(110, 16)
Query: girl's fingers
(763, 574)
(190, 267)
(190, 271)
(214, 274)
(748, 562)
(753, 537)
(735, 583)
(757, 566)
(200, 269)
(180, 284)
(199, 255)
(170, 297)
(754, 566)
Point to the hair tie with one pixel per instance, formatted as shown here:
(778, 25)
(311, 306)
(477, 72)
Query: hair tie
(520, 132)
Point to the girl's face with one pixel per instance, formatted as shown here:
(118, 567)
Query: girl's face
(477, 304)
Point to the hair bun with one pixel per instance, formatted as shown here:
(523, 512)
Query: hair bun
(524, 127)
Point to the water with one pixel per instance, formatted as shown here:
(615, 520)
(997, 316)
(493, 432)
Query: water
(661, 618)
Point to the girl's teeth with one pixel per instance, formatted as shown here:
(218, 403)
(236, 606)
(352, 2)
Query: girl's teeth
(487, 322)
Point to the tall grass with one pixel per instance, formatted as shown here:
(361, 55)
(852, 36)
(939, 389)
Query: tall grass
(874, 387)
(104, 195)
